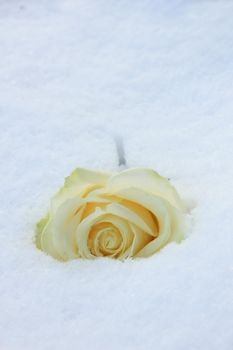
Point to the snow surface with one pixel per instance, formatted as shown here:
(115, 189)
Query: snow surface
(160, 75)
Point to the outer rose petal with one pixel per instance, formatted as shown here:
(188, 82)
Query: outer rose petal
(39, 229)
(147, 180)
(46, 242)
(79, 183)
(63, 226)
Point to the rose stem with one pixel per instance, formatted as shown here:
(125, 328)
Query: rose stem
(120, 151)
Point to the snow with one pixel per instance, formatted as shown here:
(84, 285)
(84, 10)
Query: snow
(159, 75)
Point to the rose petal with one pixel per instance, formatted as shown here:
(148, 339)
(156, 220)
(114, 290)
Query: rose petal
(142, 212)
(39, 229)
(79, 183)
(162, 210)
(141, 239)
(158, 242)
(64, 225)
(62, 228)
(83, 230)
(47, 244)
(147, 180)
(129, 215)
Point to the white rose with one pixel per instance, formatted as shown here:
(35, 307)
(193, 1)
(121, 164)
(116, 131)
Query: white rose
(130, 214)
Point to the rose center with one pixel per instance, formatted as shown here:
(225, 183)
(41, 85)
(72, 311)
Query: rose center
(105, 239)
(110, 239)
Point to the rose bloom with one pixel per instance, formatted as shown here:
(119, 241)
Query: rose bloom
(133, 213)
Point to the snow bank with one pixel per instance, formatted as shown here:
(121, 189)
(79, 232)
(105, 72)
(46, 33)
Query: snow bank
(158, 73)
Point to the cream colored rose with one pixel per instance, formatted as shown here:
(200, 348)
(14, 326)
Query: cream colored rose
(130, 214)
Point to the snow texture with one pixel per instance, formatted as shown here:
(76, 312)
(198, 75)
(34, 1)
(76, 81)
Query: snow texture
(74, 76)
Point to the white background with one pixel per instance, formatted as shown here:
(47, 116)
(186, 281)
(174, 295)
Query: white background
(160, 74)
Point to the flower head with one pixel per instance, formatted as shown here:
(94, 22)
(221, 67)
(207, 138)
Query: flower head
(133, 213)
